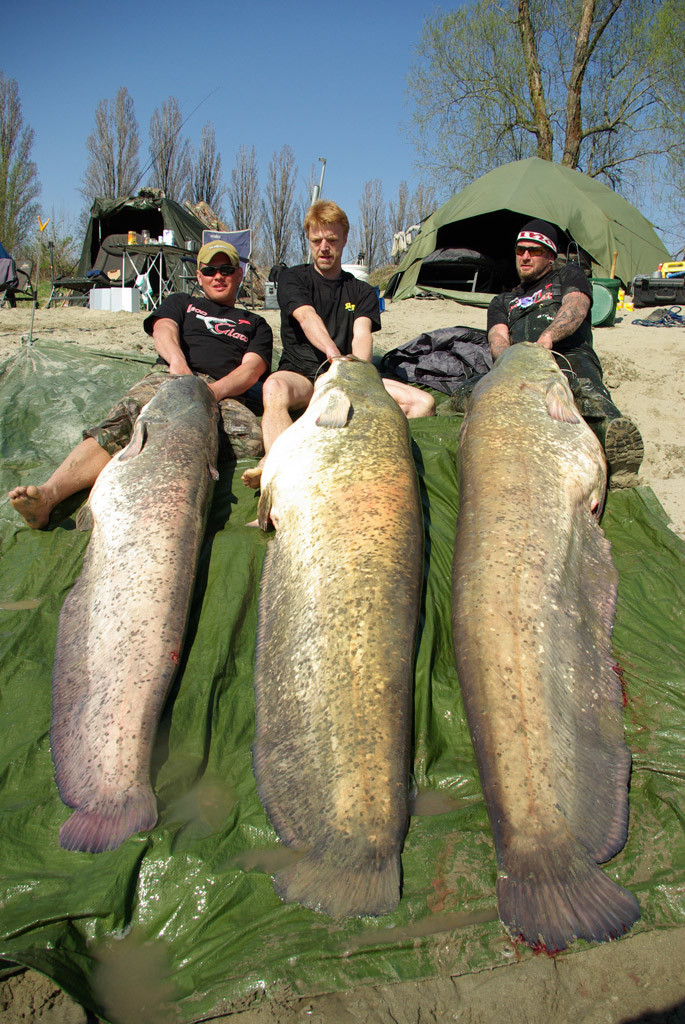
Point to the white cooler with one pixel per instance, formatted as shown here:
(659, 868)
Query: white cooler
(115, 300)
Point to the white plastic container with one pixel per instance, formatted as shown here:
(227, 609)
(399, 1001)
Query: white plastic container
(358, 270)
(99, 298)
(126, 300)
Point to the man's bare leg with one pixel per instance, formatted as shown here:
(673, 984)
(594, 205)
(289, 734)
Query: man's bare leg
(413, 402)
(282, 392)
(80, 469)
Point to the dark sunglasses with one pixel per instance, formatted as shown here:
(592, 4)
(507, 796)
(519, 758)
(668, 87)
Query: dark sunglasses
(534, 250)
(226, 270)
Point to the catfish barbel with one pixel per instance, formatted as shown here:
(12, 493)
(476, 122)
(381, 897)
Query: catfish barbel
(534, 594)
(334, 666)
(121, 626)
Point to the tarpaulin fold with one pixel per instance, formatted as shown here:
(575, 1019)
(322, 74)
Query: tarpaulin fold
(192, 901)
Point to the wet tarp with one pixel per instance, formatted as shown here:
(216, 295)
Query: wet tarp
(189, 907)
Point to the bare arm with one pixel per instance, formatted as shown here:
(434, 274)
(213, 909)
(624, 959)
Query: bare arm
(498, 337)
(167, 340)
(362, 342)
(315, 331)
(574, 308)
(238, 381)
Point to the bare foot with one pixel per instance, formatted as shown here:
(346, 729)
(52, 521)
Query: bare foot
(253, 477)
(31, 503)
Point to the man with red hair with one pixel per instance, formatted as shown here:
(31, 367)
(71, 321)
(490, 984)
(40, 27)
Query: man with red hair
(325, 312)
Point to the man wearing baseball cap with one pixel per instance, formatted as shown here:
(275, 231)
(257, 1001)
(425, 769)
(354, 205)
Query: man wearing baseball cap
(551, 306)
(203, 335)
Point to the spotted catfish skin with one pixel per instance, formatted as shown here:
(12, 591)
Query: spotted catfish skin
(338, 608)
(534, 593)
(121, 626)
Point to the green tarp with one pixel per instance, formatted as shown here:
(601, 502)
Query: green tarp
(189, 908)
(487, 215)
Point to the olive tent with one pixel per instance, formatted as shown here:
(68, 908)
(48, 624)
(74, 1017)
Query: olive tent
(144, 212)
(465, 250)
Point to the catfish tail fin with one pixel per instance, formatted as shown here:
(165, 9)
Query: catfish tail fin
(549, 897)
(320, 883)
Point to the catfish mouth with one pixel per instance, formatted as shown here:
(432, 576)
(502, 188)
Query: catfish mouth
(328, 376)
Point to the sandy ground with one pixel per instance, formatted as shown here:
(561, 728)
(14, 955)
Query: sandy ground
(640, 978)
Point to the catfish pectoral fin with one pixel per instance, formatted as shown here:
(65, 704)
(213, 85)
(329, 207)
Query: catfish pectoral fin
(550, 896)
(351, 889)
(94, 831)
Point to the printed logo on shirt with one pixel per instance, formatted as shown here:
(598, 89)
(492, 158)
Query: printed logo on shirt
(222, 327)
(350, 307)
(524, 301)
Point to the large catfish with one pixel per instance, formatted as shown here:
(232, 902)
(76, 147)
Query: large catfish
(337, 618)
(533, 607)
(121, 626)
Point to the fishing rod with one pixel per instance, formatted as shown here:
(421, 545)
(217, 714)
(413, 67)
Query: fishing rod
(155, 156)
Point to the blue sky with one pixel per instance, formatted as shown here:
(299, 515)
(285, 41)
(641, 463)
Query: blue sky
(327, 79)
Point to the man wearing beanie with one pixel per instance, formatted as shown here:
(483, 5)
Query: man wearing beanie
(551, 306)
(229, 348)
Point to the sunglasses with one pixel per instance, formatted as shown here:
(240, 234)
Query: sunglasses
(226, 270)
(533, 250)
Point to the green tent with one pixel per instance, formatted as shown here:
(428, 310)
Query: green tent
(144, 212)
(487, 215)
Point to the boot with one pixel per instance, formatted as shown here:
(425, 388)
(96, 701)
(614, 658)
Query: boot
(623, 448)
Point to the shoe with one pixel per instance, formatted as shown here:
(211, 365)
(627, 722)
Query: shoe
(624, 451)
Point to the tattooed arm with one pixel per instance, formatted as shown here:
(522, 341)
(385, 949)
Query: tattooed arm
(574, 308)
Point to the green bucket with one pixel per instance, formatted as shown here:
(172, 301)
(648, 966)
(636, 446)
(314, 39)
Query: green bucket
(604, 301)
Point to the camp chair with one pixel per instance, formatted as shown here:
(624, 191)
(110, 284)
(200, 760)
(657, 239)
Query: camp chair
(106, 272)
(23, 290)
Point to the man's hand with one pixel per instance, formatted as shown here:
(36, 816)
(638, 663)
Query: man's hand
(240, 380)
(498, 337)
(167, 340)
(362, 341)
(315, 331)
(180, 367)
(574, 309)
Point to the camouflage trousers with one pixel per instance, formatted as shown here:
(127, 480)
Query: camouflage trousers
(240, 431)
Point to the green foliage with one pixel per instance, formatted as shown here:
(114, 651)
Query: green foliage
(478, 104)
(19, 187)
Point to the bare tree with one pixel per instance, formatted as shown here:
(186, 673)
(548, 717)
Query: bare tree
(423, 203)
(170, 154)
(371, 233)
(113, 169)
(501, 80)
(206, 181)
(279, 206)
(243, 193)
(19, 187)
(398, 209)
(304, 201)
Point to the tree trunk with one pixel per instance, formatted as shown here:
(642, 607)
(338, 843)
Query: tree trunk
(543, 127)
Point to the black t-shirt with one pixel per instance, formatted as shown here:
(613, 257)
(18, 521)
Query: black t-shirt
(338, 302)
(528, 310)
(214, 338)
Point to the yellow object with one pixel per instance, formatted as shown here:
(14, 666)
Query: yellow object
(673, 268)
(628, 304)
(41, 225)
(131, 238)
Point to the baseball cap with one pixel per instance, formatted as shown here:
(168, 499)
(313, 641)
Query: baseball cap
(210, 249)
